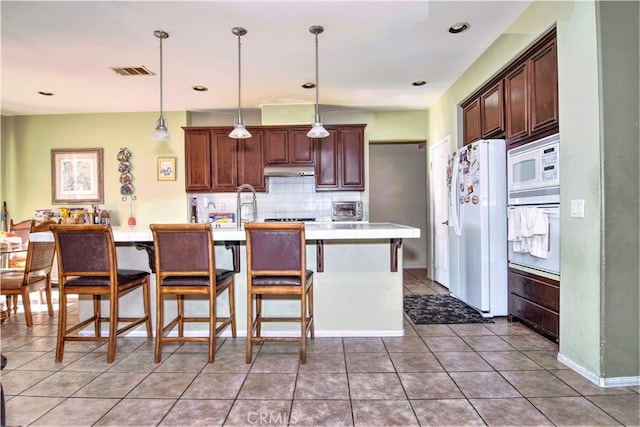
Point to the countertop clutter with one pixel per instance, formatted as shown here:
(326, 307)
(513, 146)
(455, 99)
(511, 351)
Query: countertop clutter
(313, 231)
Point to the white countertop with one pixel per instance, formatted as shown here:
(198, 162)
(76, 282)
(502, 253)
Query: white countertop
(313, 231)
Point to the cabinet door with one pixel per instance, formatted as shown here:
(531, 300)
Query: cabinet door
(300, 147)
(251, 161)
(276, 146)
(492, 111)
(352, 159)
(326, 169)
(197, 150)
(471, 122)
(224, 158)
(544, 88)
(517, 104)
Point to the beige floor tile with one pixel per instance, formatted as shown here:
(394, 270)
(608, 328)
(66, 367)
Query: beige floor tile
(139, 361)
(324, 362)
(530, 342)
(434, 330)
(383, 413)
(454, 361)
(446, 412)
(436, 385)
(214, 386)
(137, 412)
(61, 384)
(538, 384)
(405, 344)
(572, 411)
(625, 408)
(452, 343)
(76, 411)
(162, 385)
(546, 359)
(275, 363)
(483, 385)
(324, 345)
(183, 362)
(487, 343)
(503, 327)
(415, 362)
(363, 345)
(509, 360)
(114, 385)
(368, 362)
(15, 382)
(259, 413)
(322, 386)
(268, 386)
(321, 413)
(24, 410)
(203, 413)
(375, 386)
(586, 387)
(227, 363)
(466, 329)
(509, 412)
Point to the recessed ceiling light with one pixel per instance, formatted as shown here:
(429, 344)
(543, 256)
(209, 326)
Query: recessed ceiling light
(460, 27)
(199, 88)
(43, 93)
(419, 83)
(308, 85)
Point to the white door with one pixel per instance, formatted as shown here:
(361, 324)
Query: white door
(438, 155)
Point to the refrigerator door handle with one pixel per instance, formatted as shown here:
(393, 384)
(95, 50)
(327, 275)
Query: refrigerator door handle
(454, 205)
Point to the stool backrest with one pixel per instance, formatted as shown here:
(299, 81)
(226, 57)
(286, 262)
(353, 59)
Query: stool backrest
(183, 249)
(85, 250)
(276, 248)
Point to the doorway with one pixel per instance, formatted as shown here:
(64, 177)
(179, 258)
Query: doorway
(398, 193)
(438, 158)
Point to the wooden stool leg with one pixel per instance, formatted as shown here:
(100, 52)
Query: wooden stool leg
(249, 355)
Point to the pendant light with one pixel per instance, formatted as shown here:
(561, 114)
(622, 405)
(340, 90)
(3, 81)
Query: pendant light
(317, 130)
(239, 131)
(161, 133)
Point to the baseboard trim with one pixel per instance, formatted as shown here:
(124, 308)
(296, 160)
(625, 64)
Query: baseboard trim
(599, 381)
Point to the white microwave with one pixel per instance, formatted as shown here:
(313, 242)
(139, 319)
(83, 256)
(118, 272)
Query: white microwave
(533, 173)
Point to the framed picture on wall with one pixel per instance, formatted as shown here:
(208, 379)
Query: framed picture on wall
(77, 176)
(166, 168)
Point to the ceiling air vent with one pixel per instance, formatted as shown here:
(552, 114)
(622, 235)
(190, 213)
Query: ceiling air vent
(133, 71)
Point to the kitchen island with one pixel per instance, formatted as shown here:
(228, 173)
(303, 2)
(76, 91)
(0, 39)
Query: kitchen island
(357, 281)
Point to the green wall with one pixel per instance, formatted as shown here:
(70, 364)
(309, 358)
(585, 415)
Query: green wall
(597, 337)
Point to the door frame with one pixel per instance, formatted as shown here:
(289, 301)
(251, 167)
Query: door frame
(432, 226)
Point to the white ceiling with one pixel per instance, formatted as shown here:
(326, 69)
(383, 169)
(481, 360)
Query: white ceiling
(369, 53)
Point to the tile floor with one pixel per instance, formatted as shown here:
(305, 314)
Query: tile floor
(491, 374)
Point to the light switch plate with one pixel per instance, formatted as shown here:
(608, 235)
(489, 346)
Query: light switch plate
(577, 208)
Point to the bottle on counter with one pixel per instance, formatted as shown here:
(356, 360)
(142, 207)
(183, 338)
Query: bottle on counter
(194, 210)
(5, 217)
(104, 217)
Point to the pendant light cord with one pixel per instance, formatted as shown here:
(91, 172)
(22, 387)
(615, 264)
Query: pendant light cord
(161, 76)
(317, 83)
(239, 79)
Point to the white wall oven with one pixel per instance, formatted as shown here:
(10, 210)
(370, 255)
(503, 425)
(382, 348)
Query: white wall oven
(533, 178)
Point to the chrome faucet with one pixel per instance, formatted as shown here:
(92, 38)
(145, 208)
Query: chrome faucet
(240, 204)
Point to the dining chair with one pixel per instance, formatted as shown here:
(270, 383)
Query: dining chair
(276, 267)
(35, 275)
(87, 265)
(185, 267)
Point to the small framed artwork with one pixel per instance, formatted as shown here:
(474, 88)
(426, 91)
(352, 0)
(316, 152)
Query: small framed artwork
(166, 168)
(77, 176)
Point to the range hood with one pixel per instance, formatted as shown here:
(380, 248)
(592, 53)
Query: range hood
(289, 170)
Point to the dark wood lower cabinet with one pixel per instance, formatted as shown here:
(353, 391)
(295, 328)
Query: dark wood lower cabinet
(535, 301)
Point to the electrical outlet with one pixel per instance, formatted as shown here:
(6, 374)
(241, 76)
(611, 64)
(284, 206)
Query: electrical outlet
(577, 208)
(222, 205)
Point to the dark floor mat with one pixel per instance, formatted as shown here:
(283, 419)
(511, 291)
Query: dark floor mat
(440, 309)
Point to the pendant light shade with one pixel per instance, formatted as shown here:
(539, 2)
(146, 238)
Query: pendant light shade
(161, 133)
(317, 130)
(239, 131)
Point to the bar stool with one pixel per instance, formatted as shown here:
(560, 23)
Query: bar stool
(185, 266)
(87, 265)
(276, 266)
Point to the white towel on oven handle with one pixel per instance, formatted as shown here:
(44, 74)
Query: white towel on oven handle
(528, 230)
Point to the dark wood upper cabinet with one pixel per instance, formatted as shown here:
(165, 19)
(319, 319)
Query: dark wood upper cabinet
(492, 111)
(216, 163)
(471, 121)
(521, 102)
(339, 164)
(288, 146)
(197, 160)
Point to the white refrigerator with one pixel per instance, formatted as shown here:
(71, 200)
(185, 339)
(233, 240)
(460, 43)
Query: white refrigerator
(477, 181)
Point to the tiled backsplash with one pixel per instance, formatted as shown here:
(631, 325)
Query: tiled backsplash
(286, 197)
